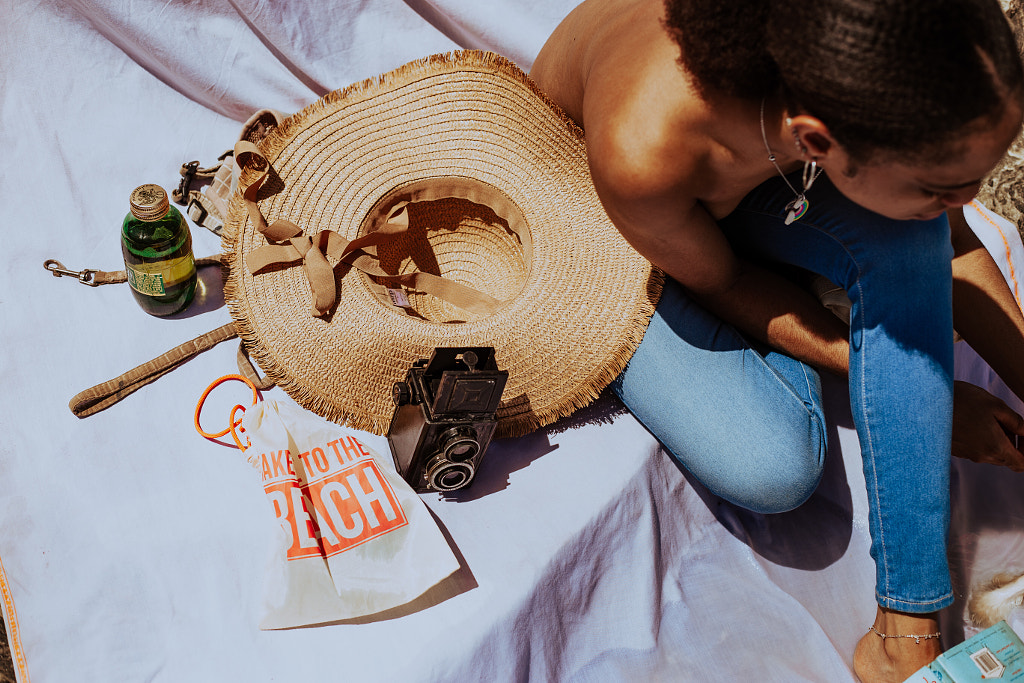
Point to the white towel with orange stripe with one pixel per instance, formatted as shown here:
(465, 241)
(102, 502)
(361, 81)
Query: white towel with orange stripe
(133, 550)
(1002, 240)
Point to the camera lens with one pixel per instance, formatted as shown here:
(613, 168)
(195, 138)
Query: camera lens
(444, 475)
(459, 444)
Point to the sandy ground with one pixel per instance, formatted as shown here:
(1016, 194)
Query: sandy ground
(6, 662)
(1002, 190)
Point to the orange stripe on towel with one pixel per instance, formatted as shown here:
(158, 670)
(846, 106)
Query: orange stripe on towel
(13, 630)
(1006, 245)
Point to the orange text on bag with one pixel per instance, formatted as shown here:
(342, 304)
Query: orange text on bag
(339, 508)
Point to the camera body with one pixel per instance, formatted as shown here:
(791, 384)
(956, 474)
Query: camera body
(445, 417)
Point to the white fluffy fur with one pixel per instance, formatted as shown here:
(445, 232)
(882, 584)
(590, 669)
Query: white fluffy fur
(993, 601)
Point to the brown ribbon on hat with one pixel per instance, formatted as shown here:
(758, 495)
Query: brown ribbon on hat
(318, 251)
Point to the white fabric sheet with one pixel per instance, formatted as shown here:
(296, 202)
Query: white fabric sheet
(132, 549)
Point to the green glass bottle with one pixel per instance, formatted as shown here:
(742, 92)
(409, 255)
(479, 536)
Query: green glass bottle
(157, 248)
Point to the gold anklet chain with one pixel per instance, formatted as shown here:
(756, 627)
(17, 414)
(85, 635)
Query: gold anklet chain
(917, 637)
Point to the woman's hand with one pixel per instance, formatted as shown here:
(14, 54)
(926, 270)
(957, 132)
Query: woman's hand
(985, 428)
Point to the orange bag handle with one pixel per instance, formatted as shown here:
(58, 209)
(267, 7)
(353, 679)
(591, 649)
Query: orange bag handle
(232, 423)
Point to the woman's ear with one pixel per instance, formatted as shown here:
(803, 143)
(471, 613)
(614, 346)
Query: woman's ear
(812, 137)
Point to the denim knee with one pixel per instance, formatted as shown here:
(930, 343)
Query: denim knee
(748, 426)
(765, 467)
(782, 477)
(796, 479)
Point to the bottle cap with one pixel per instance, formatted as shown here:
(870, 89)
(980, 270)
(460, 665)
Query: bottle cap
(149, 202)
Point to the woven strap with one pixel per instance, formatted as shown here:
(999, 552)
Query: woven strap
(112, 277)
(104, 395)
(319, 251)
(95, 278)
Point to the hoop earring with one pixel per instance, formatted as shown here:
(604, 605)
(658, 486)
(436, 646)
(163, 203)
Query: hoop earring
(810, 173)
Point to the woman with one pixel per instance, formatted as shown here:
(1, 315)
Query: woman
(835, 136)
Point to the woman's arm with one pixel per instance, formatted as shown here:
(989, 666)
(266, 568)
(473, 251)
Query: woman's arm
(987, 316)
(682, 239)
(613, 68)
(984, 311)
(647, 181)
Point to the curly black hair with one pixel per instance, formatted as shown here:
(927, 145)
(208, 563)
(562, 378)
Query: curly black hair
(901, 76)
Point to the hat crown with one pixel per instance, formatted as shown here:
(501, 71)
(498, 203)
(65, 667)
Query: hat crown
(460, 229)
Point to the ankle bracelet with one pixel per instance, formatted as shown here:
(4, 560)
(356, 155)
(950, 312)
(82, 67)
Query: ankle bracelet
(917, 638)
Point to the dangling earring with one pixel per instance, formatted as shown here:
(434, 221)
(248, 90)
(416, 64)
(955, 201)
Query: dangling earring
(798, 207)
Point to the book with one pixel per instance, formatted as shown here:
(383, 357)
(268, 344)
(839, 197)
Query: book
(995, 654)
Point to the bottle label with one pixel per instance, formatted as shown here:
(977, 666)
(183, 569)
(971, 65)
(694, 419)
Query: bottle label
(153, 279)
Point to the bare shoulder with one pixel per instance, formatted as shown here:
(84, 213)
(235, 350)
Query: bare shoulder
(666, 156)
(652, 136)
(645, 122)
(599, 38)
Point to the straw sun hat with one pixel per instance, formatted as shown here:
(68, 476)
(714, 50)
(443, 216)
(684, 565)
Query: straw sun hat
(496, 227)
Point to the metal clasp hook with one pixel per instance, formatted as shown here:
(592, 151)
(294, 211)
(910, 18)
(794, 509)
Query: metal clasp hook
(83, 276)
(188, 174)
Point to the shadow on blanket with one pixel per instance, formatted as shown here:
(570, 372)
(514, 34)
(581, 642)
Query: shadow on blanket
(505, 456)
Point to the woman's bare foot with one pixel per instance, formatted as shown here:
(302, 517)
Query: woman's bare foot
(893, 660)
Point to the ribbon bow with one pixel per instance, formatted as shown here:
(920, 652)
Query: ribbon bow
(317, 252)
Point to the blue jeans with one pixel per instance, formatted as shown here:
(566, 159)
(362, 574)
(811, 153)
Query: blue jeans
(748, 422)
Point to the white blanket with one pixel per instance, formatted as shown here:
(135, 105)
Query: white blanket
(132, 549)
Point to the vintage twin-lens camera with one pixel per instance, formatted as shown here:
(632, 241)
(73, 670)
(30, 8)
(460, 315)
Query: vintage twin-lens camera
(444, 417)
